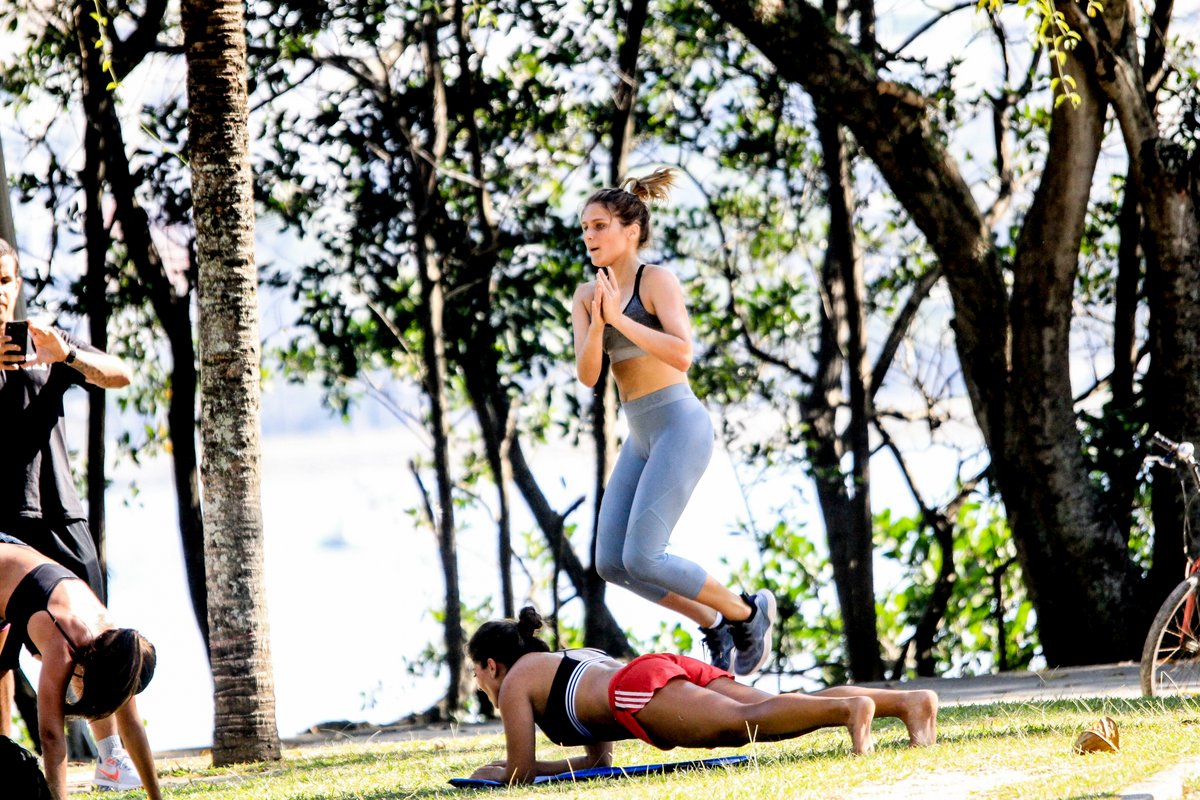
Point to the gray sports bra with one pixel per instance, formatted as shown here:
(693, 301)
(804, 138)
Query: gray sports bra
(617, 344)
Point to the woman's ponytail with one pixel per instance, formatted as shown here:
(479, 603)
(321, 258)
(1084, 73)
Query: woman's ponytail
(653, 188)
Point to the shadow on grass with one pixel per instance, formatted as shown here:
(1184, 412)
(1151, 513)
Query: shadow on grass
(188, 782)
(1084, 705)
(329, 760)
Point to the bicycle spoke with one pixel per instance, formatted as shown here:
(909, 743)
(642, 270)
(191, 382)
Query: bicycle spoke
(1176, 653)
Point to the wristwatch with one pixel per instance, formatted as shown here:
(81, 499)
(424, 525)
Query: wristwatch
(72, 354)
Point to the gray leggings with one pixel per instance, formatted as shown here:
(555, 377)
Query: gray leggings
(669, 446)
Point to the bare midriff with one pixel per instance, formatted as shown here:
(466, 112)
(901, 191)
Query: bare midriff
(591, 702)
(642, 375)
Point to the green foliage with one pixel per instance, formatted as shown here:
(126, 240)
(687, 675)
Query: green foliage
(987, 591)
(343, 116)
(103, 45)
(433, 657)
(809, 628)
(1180, 95)
(1055, 35)
(343, 175)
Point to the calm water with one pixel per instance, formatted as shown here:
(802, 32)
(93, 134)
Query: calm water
(349, 577)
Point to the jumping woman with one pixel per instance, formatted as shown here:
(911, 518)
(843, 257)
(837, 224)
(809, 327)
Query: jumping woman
(635, 313)
(584, 697)
(60, 620)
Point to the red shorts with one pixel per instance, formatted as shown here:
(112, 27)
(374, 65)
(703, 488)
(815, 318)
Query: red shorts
(634, 686)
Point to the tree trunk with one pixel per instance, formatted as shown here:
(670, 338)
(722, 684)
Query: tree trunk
(625, 92)
(1160, 175)
(172, 308)
(845, 499)
(1163, 175)
(603, 409)
(600, 628)
(432, 313)
(230, 372)
(1118, 454)
(1059, 518)
(495, 421)
(91, 180)
(1069, 547)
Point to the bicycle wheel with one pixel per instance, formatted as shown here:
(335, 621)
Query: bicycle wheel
(1171, 655)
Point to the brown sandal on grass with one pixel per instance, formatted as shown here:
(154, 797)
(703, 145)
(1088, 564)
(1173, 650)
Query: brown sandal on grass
(1103, 737)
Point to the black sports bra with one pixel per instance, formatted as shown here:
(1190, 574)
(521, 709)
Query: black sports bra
(33, 595)
(559, 722)
(617, 344)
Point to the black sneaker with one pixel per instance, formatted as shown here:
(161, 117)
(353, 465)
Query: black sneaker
(752, 637)
(718, 642)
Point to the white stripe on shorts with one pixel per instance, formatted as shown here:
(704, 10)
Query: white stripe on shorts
(632, 700)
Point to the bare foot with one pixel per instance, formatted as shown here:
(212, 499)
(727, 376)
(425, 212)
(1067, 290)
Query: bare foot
(920, 717)
(862, 711)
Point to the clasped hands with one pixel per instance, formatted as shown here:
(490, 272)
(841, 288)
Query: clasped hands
(606, 300)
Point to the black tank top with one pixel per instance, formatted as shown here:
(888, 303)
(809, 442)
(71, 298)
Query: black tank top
(559, 722)
(617, 344)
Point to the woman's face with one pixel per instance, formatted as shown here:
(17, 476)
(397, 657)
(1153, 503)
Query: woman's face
(606, 239)
(487, 679)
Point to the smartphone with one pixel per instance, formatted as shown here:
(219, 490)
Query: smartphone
(18, 333)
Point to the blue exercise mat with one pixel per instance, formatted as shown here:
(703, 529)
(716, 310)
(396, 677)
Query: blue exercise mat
(611, 772)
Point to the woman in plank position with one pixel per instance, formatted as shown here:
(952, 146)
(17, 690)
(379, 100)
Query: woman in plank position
(584, 697)
(61, 621)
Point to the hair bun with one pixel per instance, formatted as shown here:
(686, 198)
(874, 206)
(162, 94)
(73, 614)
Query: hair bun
(529, 622)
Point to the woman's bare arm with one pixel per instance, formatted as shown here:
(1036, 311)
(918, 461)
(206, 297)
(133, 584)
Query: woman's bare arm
(133, 736)
(52, 693)
(588, 324)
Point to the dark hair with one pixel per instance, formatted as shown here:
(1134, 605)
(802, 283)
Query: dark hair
(506, 640)
(628, 202)
(117, 664)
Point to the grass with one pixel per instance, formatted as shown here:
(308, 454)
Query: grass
(993, 752)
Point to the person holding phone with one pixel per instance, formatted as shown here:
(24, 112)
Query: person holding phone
(634, 314)
(38, 501)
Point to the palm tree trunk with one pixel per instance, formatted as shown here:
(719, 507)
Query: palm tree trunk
(244, 690)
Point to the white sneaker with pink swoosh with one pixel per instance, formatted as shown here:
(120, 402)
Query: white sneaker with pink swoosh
(116, 772)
